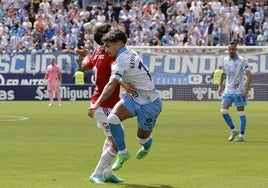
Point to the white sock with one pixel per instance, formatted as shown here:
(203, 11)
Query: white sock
(108, 170)
(106, 144)
(104, 162)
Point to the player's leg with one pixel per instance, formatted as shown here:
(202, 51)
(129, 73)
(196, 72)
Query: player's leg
(50, 97)
(107, 156)
(103, 170)
(226, 103)
(146, 117)
(58, 95)
(145, 139)
(50, 93)
(104, 166)
(240, 103)
(120, 112)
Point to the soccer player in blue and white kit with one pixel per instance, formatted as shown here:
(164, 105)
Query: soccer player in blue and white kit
(234, 69)
(141, 100)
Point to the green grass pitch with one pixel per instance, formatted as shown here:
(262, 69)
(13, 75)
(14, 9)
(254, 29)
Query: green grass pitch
(59, 147)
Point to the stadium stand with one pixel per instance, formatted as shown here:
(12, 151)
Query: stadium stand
(63, 25)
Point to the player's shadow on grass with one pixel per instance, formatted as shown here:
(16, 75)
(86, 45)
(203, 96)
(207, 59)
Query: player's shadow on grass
(147, 186)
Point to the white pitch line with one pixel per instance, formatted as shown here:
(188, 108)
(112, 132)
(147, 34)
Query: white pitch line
(13, 118)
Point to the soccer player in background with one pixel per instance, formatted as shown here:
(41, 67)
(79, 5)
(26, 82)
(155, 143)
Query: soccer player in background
(53, 77)
(145, 103)
(234, 68)
(101, 63)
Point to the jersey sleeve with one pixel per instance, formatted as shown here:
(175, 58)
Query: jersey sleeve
(117, 70)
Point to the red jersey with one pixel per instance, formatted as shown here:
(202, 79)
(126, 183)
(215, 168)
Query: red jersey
(101, 63)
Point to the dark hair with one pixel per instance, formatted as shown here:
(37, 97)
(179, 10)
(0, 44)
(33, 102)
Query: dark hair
(233, 43)
(114, 36)
(100, 31)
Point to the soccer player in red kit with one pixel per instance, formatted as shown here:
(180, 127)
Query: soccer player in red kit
(100, 62)
(53, 77)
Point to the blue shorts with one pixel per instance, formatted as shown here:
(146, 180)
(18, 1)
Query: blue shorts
(238, 99)
(146, 114)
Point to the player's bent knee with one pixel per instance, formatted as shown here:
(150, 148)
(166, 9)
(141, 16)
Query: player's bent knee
(224, 111)
(113, 119)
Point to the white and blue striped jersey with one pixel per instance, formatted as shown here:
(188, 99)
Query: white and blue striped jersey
(234, 68)
(130, 67)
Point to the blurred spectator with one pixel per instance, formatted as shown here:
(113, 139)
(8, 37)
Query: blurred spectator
(208, 34)
(237, 39)
(21, 30)
(28, 42)
(110, 14)
(261, 39)
(258, 19)
(36, 49)
(145, 22)
(265, 28)
(49, 31)
(14, 39)
(216, 36)
(101, 17)
(171, 11)
(67, 68)
(178, 38)
(239, 30)
(249, 18)
(250, 38)
(167, 39)
(196, 10)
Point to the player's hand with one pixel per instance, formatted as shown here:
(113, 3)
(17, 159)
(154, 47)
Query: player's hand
(60, 83)
(91, 111)
(81, 52)
(44, 82)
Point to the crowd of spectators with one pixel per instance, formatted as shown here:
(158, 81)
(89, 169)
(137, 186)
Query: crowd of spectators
(57, 25)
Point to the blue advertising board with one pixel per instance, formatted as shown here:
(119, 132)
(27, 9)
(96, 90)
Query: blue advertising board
(177, 77)
(39, 92)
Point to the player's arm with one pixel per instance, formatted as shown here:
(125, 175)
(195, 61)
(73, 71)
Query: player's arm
(106, 93)
(60, 76)
(83, 52)
(45, 78)
(84, 66)
(247, 84)
(220, 87)
(46, 75)
(130, 89)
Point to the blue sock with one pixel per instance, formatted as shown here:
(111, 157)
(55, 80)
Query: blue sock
(148, 144)
(228, 120)
(118, 136)
(243, 122)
